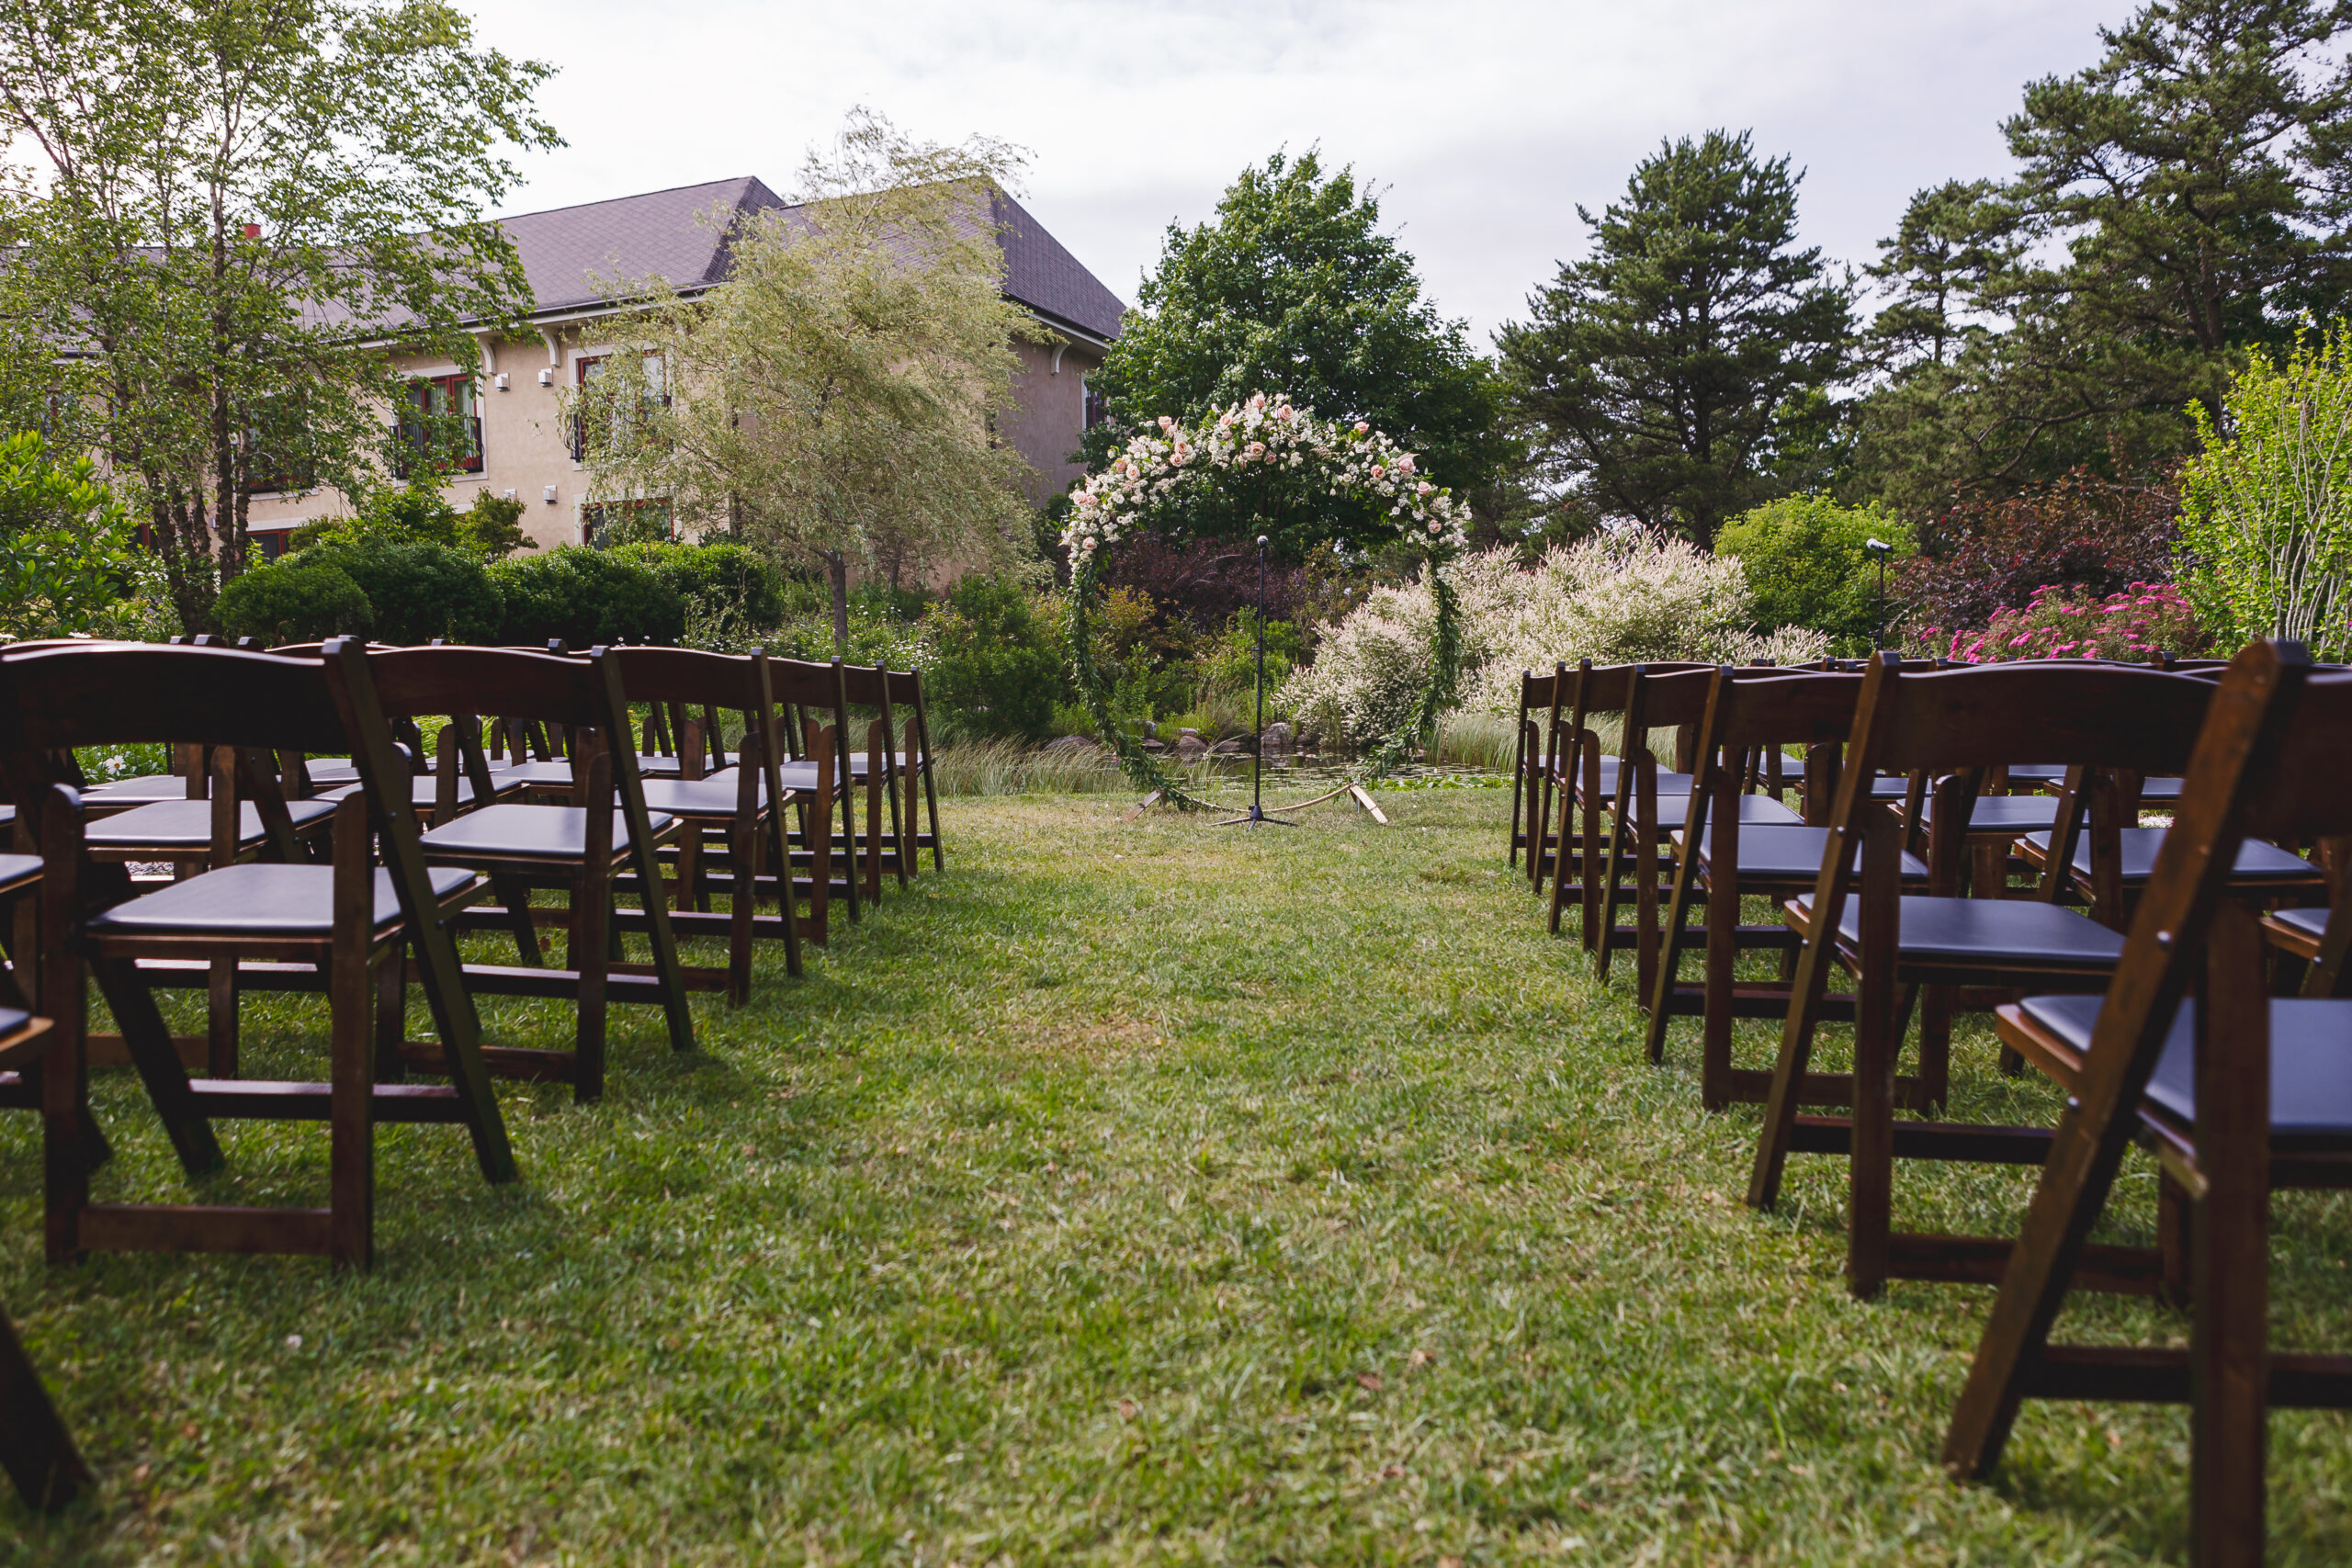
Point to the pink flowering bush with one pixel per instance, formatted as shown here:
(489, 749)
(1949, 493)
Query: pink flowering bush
(2132, 624)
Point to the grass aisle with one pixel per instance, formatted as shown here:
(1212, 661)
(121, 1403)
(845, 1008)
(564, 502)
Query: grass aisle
(1130, 1193)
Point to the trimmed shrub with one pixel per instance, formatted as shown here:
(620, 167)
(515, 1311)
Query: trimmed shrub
(296, 600)
(1807, 566)
(586, 597)
(722, 582)
(996, 669)
(417, 590)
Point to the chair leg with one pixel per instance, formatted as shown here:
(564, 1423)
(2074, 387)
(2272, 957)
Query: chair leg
(2229, 1353)
(351, 1106)
(391, 1016)
(591, 928)
(35, 1447)
(1715, 1021)
(740, 905)
(220, 1019)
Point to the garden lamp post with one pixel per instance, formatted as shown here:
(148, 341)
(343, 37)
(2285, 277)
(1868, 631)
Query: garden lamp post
(1257, 813)
(1882, 549)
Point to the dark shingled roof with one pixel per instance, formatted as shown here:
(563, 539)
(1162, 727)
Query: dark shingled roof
(569, 253)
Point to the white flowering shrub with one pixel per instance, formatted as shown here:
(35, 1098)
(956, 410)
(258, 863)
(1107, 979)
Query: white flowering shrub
(1613, 599)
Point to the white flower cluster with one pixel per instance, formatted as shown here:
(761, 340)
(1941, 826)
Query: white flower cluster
(1613, 598)
(1346, 460)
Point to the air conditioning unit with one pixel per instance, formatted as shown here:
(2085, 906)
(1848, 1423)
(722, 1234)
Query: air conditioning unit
(505, 380)
(548, 495)
(547, 377)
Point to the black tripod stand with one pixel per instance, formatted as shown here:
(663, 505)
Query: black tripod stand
(1257, 813)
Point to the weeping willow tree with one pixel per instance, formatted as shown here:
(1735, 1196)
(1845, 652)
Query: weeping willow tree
(836, 397)
(2266, 526)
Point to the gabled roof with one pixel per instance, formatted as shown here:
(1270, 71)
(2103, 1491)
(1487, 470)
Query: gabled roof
(1043, 276)
(572, 254)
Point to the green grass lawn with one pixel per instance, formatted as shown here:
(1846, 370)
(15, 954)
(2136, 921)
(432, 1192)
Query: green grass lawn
(1132, 1191)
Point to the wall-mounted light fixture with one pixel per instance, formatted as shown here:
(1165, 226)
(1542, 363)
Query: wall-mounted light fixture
(547, 375)
(548, 495)
(509, 494)
(505, 380)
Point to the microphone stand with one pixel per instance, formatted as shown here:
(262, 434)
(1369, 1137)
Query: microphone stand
(1257, 812)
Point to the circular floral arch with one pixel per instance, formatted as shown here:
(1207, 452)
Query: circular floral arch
(1254, 443)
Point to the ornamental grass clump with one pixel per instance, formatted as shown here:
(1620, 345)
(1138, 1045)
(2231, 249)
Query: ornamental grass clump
(2144, 619)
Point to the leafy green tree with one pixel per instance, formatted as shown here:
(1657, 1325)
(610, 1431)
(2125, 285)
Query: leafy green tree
(1657, 370)
(836, 393)
(242, 209)
(63, 539)
(2265, 533)
(1294, 290)
(2179, 203)
(1808, 565)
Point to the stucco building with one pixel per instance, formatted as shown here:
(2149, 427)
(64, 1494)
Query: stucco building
(571, 255)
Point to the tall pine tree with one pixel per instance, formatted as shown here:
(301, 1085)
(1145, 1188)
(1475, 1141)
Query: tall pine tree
(1658, 371)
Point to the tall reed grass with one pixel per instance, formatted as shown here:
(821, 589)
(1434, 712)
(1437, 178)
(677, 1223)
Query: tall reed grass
(1009, 767)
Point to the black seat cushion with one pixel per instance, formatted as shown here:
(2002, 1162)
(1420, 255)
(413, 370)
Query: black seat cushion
(1674, 810)
(1790, 854)
(713, 796)
(1669, 782)
(256, 900)
(534, 773)
(2311, 1060)
(424, 790)
(2160, 790)
(2002, 813)
(2256, 862)
(1993, 933)
(146, 786)
(186, 825)
(2311, 921)
(18, 871)
(553, 833)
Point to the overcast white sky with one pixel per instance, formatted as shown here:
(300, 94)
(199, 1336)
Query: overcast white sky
(1487, 121)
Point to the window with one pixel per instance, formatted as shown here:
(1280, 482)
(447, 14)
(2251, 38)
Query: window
(278, 446)
(605, 523)
(443, 425)
(1096, 412)
(592, 370)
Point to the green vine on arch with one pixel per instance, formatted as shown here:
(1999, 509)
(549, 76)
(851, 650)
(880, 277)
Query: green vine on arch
(1259, 443)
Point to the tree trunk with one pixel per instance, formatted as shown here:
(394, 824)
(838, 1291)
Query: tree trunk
(837, 574)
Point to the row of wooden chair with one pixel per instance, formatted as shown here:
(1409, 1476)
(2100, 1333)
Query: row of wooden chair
(316, 842)
(1907, 814)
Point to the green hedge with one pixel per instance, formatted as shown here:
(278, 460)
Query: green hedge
(295, 602)
(585, 597)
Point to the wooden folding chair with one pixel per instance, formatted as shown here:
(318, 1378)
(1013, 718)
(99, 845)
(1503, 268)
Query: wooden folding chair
(1590, 778)
(878, 769)
(1531, 759)
(580, 846)
(1721, 857)
(1952, 725)
(905, 689)
(36, 1449)
(742, 801)
(812, 704)
(2238, 1092)
(343, 924)
(1655, 806)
